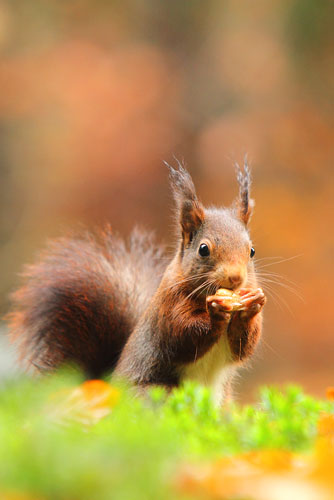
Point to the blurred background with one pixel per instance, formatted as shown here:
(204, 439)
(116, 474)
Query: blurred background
(96, 94)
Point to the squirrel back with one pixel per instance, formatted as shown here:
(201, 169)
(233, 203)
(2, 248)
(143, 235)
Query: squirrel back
(82, 298)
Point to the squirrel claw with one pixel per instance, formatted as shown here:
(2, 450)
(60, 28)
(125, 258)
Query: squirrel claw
(218, 308)
(252, 301)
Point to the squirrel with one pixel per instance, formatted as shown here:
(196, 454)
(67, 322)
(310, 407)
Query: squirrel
(115, 307)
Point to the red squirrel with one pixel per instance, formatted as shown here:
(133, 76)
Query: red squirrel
(111, 306)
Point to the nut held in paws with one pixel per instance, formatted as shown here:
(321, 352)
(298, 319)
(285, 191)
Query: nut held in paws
(231, 297)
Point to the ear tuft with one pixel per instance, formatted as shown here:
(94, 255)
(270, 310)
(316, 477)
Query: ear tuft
(244, 203)
(190, 210)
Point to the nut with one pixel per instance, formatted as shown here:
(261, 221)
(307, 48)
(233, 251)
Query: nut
(230, 297)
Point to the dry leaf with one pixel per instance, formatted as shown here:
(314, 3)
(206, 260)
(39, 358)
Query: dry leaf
(87, 403)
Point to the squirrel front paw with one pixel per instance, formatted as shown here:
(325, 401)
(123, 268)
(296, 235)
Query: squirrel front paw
(244, 329)
(247, 301)
(218, 308)
(252, 301)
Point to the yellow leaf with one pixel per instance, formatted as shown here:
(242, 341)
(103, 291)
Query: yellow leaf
(326, 425)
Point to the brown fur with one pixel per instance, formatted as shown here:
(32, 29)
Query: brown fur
(82, 298)
(243, 336)
(98, 302)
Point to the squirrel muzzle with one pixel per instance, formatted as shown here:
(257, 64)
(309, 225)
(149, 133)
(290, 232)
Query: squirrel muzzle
(231, 277)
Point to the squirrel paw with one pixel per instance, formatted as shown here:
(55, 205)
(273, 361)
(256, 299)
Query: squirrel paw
(252, 300)
(219, 308)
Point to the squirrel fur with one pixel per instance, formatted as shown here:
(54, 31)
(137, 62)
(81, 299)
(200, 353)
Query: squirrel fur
(110, 306)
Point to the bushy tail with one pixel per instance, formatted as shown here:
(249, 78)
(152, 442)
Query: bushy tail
(81, 300)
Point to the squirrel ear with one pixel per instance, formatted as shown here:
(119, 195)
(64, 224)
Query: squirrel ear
(190, 210)
(244, 203)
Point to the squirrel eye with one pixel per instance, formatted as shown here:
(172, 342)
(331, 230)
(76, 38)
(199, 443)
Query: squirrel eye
(204, 250)
(252, 252)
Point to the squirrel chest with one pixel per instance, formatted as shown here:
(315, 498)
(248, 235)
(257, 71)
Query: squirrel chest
(213, 370)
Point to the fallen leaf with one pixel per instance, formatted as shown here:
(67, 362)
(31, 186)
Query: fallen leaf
(87, 403)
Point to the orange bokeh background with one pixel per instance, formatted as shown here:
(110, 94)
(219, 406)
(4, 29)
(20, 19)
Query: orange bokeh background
(95, 95)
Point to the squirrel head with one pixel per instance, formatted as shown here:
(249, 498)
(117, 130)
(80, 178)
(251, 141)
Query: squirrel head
(215, 247)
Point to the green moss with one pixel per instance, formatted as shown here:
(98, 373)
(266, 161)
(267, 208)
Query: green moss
(134, 452)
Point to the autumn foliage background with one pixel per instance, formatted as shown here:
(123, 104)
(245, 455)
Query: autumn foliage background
(95, 95)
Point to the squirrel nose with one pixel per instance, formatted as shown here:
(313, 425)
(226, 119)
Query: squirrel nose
(235, 280)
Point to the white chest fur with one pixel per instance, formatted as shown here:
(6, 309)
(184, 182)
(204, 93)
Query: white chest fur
(213, 370)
